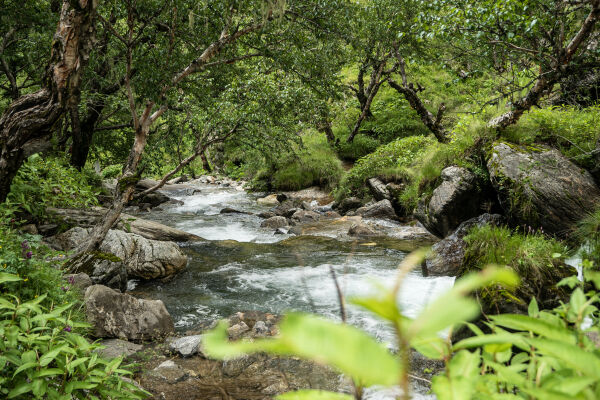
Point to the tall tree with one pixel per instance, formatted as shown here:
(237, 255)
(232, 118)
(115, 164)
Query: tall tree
(32, 117)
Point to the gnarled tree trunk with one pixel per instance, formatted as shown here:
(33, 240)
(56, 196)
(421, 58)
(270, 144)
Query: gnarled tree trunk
(32, 117)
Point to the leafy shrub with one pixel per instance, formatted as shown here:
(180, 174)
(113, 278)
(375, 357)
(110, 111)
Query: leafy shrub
(313, 164)
(40, 356)
(588, 235)
(571, 130)
(25, 256)
(50, 182)
(394, 157)
(112, 171)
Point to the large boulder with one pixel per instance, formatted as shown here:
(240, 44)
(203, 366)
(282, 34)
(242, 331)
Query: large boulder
(458, 198)
(447, 255)
(381, 209)
(102, 269)
(119, 315)
(145, 259)
(303, 216)
(539, 187)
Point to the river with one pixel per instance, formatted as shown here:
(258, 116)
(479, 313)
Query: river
(241, 266)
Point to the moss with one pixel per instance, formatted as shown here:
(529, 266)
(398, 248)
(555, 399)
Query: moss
(106, 256)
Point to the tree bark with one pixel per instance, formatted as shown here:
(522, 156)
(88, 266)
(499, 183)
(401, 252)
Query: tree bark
(33, 117)
(205, 164)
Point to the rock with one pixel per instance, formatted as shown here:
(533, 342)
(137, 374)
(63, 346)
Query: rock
(302, 216)
(119, 315)
(260, 329)
(30, 229)
(458, 198)
(281, 197)
(101, 268)
(381, 209)
(186, 346)
(237, 330)
(148, 229)
(152, 199)
(286, 209)
(266, 214)
(229, 210)
(348, 204)
(145, 184)
(378, 189)
(48, 229)
(448, 254)
(81, 280)
(331, 215)
(539, 187)
(116, 348)
(270, 200)
(281, 231)
(307, 205)
(144, 259)
(170, 372)
(275, 222)
(361, 229)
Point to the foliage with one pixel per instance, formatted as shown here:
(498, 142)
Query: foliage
(315, 164)
(355, 353)
(40, 356)
(25, 256)
(51, 182)
(464, 150)
(571, 130)
(543, 355)
(529, 254)
(393, 158)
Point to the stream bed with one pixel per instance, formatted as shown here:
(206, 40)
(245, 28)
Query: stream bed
(241, 266)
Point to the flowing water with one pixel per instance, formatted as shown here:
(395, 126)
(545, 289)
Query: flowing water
(241, 266)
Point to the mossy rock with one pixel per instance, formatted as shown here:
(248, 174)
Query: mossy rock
(103, 269)
(539, 188)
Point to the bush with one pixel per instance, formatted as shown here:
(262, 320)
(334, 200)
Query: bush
(26, 257)
(50, 182)
(40, 356)
(391, 159)
(571, 130)
(112, 171)
(316, 164)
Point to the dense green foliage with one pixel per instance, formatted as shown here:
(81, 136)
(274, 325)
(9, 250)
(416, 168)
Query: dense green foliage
(51, 182)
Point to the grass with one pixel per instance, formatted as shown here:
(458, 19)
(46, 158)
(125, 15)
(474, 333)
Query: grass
(531, 255)
(390, 160)
(572, 131)
(588, 236)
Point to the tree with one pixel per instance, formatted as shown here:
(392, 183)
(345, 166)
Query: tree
(32, 117)
(541, 41)
(233, 32)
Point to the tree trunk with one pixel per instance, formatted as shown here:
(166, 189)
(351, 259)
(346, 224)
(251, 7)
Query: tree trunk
(33, 117)
(123, 190)
(205, 164)
(432, 122)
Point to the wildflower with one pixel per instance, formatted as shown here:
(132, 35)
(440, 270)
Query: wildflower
(64, 289)
(24, 245)
(28, 255)
(67, 328)
(25, 280)
(71, 280)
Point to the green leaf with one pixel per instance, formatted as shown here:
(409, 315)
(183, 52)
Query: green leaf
(538, 326)
(5, 277)
(48, 357)
(19, 390)
(24, 367)
(585, 362)
(313, 395)
(342, 346)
